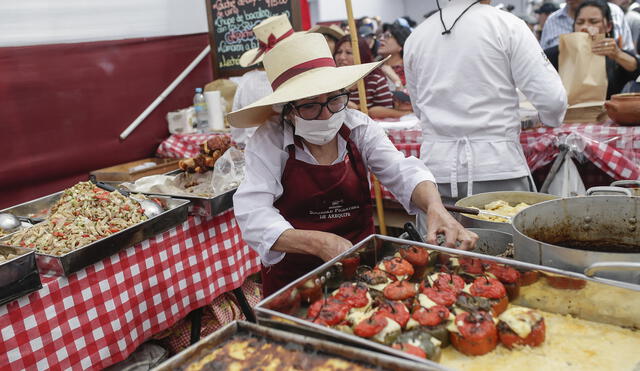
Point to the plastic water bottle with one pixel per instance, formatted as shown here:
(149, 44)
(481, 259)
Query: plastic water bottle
(200, 107)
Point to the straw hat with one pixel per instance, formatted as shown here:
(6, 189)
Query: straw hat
(301, 66)
(268, 33)
(332, 30)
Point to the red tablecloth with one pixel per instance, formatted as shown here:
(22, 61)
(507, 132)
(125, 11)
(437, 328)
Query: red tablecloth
(99, 315)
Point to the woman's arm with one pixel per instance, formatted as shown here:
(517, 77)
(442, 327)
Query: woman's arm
(384, 112)
(324, 245)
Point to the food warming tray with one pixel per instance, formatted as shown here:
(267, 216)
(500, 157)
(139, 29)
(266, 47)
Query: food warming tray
(175, 213)
(202, 206)
(601, 300)
(310, 345)
(18, 276)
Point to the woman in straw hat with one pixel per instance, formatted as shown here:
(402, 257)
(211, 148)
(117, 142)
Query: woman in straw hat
(306, 197)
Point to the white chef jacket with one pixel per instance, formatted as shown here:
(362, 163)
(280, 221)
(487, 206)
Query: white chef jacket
(463, 90)
(266, 155)
(253, 85)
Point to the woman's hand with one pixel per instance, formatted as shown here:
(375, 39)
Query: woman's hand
(606, 47)
(439, 221)
(330, 245)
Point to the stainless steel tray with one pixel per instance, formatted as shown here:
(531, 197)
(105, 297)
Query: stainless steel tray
(312, 345)
(605, 301)
(202, 206)
(18, 276)
(75, 260)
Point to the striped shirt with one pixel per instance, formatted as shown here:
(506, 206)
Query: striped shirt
(559, 22)
(378, 93)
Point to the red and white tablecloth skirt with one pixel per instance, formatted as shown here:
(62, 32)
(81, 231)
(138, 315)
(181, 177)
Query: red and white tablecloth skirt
(99, 315)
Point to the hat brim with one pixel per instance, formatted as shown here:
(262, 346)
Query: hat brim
(325, 30)
(308, 84)
(248, 58)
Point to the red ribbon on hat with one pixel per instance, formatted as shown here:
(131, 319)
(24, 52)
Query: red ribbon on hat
(272, 41)
(300, 68)
(270, 44)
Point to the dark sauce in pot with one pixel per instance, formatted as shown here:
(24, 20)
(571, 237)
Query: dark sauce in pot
(600, 246)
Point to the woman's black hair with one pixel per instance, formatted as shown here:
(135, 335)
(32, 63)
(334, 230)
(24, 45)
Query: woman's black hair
(604, 9)
(399, 33)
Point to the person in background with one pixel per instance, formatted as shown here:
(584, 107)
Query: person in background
(379, 97)
(254, 84)
(632, 16)
(366, 32)
(561, 22)
(331, 33)
(594, 17)
(392, 44)
(543, 13)
(463, 67)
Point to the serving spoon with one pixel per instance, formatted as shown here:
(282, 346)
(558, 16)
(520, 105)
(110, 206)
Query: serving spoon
(10, 222)
(150, 208)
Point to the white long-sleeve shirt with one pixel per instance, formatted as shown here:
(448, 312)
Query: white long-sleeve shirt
(266, 155)
(463, 90)
(253, 85)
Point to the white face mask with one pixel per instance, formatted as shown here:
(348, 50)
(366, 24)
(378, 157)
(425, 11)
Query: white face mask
(319, 132)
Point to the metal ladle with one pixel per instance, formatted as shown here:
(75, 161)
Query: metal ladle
(9, 222)
(151, 209)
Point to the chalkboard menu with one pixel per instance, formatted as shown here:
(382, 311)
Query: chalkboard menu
(230, 28)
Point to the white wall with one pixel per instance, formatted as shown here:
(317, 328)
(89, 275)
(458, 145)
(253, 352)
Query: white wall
(416, 9)
(389, 10)
(32, 22)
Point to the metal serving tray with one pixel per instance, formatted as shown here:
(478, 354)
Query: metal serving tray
(64, 265)
(18, 276)
(202, 206)
(308, 344)
(604, 301)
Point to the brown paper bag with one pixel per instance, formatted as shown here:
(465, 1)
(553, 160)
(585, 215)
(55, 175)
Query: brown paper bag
(583, 74)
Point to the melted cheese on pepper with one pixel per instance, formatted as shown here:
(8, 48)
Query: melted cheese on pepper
(391, 327)
(520, 320)
(425, 301)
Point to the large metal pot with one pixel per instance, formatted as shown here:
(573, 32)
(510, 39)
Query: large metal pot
(512, 197)
(582, 234)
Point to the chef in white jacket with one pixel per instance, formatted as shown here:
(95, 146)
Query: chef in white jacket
(463, 67)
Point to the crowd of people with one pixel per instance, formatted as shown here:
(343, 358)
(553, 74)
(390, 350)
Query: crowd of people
(386, 88)
(306, 198)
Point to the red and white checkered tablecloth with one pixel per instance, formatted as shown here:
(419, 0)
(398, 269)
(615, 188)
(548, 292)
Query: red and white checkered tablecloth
(182, 145)
(99, 315)
(612, 148)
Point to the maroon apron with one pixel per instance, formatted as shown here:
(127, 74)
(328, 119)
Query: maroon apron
(328, 198)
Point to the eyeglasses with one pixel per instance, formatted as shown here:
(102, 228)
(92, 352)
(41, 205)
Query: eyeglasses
(311, 111)
(386, 35)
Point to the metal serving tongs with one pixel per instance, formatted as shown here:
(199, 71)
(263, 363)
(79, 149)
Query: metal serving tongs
(472, 211)
(413, 233)
(151, 208)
